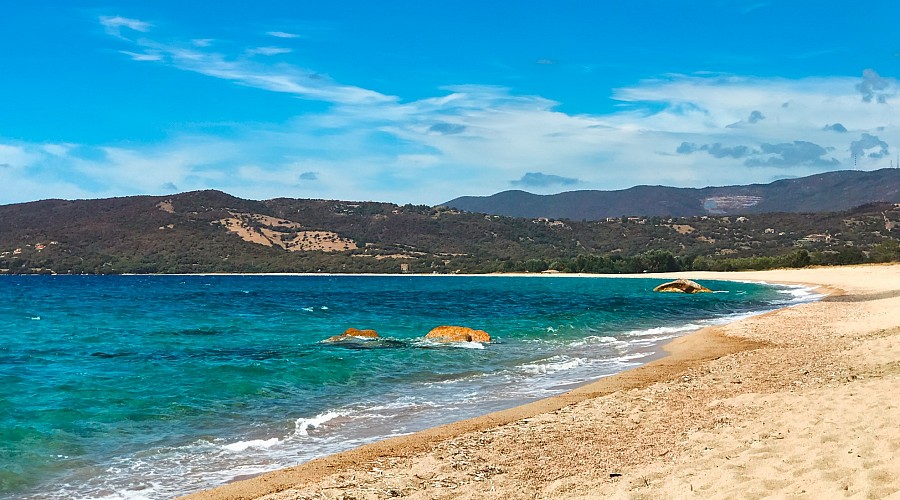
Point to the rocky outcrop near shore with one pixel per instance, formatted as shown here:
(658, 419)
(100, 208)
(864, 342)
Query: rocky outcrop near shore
(682, 286)
(458, 334)
(353, 333)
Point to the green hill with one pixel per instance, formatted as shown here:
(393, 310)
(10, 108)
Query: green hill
(211, 231)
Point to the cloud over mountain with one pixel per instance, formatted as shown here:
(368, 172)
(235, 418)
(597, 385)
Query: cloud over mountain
(868, 142)
(542, 180)
(790, 154)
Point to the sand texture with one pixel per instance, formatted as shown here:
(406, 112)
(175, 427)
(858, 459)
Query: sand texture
(802, 403)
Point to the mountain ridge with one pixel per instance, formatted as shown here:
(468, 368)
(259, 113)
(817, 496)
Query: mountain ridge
(830, 191)
(212, 231)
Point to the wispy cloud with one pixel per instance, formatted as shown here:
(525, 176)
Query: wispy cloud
(268, 51)
(240, 68)
(286, 79)
(542, 180)
(146, 56)
(13, 156)
(114, 25)
(282, 34)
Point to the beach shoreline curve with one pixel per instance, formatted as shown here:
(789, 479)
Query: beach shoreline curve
(685, 357)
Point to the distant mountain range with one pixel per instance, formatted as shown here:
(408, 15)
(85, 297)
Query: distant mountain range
(212, 231)
(828, 192)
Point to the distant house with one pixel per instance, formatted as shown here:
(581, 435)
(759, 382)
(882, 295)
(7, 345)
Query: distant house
(813, 238)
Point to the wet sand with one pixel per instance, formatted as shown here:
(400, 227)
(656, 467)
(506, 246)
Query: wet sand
(801, 402)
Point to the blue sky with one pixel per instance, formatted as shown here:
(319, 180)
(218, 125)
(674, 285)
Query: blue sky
(421, 102)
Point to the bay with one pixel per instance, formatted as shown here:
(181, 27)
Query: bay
(154, 386)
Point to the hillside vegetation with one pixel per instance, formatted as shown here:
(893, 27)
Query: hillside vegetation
(211, 231)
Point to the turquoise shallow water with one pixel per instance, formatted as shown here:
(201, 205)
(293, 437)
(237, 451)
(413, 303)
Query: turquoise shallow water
(152, 386)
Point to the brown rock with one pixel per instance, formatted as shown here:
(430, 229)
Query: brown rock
(369, 334)
(681, 286)
(351, 333)
(458, 334)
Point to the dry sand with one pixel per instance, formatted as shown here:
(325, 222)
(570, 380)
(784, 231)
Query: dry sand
(803, 402)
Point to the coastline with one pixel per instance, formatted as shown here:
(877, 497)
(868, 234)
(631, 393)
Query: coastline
(628, 432)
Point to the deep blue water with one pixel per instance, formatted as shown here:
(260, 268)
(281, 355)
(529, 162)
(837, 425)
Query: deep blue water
(152, 386)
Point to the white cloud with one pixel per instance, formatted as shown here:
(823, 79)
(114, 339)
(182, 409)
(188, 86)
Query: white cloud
(391, 151)
(268, 51)
(148, 56)
(282, 34)
(114, 25)
(57, 149)
(192, 56)
(17, 157)
(289, 80)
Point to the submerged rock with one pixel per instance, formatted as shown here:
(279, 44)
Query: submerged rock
(353, 333)
(682, 286)
(458, 334)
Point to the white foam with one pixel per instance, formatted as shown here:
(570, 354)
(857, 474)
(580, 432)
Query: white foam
(556, 364)
(404, 403)
(632, 356)
(253, 443)
(594, 339)
(800, 294)
(663, 330)
(302, 426)
(448, 345)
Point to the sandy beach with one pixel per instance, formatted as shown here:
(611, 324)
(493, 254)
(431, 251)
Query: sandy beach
(801, 402)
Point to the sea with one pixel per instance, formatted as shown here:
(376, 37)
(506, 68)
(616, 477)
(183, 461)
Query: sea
(150, 387)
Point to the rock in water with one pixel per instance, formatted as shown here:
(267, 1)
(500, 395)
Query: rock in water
(458, 334)
(369, 334)
(681, 286)
(353, 333)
